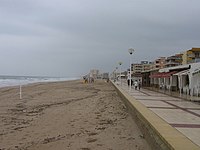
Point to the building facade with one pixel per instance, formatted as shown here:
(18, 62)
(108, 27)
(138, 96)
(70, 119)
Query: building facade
(143, 66)
(137, 69)
(174, 60)
(183, 78)
(191, 56)
(94, 73)
(159, 63)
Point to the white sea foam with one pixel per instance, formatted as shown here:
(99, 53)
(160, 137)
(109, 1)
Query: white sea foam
(23, 80)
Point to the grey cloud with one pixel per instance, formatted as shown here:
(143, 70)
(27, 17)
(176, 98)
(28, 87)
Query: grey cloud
(67, 38)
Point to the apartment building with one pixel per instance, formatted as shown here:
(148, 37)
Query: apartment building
(94, 73)
(159, 63)
(143, 66)
(174, 60)
(191, 56)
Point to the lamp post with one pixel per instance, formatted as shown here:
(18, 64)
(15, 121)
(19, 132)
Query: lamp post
(130, 50)
(116, 73)
(120, 63)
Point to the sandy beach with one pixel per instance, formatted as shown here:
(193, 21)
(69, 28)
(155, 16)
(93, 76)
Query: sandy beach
(67, 116)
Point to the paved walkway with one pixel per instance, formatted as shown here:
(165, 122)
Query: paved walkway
(176, 94)
(180, 114)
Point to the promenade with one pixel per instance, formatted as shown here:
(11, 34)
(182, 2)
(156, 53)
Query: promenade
(180, 114)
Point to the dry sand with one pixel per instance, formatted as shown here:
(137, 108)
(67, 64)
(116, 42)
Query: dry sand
(67, 116)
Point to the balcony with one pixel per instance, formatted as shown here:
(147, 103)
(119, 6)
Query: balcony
(172, 62)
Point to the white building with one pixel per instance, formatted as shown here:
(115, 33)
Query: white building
(193, 74)
(94, 73)
(185, 78)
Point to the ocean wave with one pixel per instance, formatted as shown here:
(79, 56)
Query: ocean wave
(23, 80)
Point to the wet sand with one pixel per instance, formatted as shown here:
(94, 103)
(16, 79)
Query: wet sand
(67, 116)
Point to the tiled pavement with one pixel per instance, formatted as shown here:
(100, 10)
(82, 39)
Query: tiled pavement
(180, 114)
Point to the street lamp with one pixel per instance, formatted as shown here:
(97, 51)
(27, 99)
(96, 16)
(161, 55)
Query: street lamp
(120, 63)
(130, 50)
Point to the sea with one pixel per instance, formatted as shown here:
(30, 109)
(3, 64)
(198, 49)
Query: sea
(6, 81)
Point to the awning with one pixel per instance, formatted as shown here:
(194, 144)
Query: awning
(175, 68)
(196, 71)
(156, 75)
(168, 74)
(181, 73)
(163, 74)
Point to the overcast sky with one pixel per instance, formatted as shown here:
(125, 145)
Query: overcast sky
(70, 37)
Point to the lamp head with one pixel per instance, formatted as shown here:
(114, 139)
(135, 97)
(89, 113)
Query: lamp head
(131, 50)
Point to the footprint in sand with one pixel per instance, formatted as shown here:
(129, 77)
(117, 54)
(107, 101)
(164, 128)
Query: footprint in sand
(91, 140)
(92, 133)
(100, 128)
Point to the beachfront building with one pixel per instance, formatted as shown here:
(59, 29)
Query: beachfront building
(183, 78)
(159, 63)
(122, 75)
(105, 75)
(138, 68)
(195, 81)
(189, 79)
(174, 60)
(147, 81)
(191, 56)
(94, 73)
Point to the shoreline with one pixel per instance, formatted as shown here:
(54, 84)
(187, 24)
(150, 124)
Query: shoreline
(37, 82)
(9, 81)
